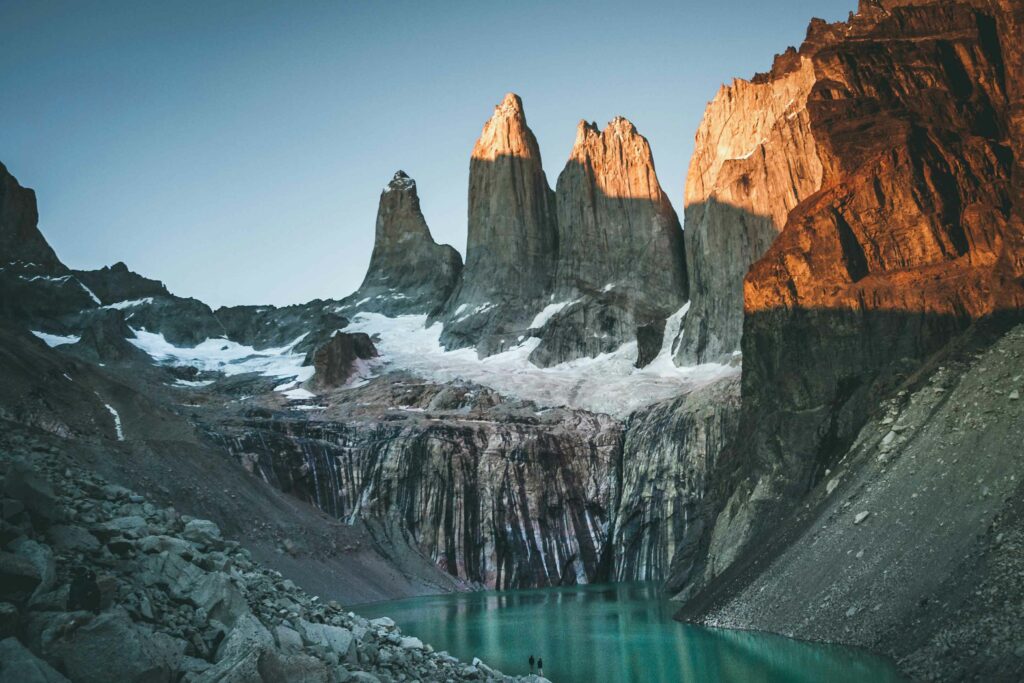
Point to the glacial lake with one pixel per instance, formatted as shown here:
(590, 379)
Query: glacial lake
(616, 633)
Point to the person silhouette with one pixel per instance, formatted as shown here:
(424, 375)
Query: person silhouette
(531, 663)
(540, 666)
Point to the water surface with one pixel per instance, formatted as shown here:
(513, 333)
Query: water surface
(619, 632)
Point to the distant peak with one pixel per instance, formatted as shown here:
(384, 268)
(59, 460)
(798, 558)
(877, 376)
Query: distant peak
(400, 182)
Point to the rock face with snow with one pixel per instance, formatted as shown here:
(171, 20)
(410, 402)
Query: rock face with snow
(755, 158)
(915, 233)
(620, 246)
(511, 240)
(116, 283)
(491, 490)
(409, 272)
(670, 453)
(337, 360)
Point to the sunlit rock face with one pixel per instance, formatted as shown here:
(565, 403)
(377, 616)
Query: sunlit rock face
(409, 272)
(915, 233)
(512, 237)
(755, 159)
(620, 263)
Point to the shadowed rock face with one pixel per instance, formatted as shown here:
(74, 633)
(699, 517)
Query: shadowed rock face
(620, 246)
(511, 240)
(669, 455)
(20, 239)
(335, 361)
(489, 489)
(409, 272)
(915, 233)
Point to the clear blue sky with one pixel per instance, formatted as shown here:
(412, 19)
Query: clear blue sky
(236, 150)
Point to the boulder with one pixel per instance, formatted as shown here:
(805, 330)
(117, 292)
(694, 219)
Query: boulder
(23, 484)
(338, 360)
(19, 576)
(19, 665)
(112, 648)
(334, 638)
(278, 667)
(203, 532)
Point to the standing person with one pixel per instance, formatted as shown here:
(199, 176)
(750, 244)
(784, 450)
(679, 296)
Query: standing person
(540, 667)
(531, 663)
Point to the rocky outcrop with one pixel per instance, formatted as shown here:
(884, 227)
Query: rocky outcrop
(338, 360)
(116, 588)
(670, 453)
(112, 284)
(409, 272)
(20, 239)
(619, 245)
(492, 491)
(755, 159)
(915, 233)
(511, 237)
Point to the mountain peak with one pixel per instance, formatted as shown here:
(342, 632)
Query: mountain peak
(506, 133)
(400, 182)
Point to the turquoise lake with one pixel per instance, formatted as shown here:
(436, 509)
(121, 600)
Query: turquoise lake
(617, 632)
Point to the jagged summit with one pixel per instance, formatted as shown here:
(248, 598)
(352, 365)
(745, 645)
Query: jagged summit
(409, 272)
(621, 270)
(506, 133)
(400, 182)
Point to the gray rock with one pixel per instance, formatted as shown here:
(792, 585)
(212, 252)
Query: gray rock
(41, 558)
(203, 532)
(278, 667)
(111, 648)
(248, 635)
(35, 493)
(334, 638)
(71, 538)
(288, 639)
(219, 597)
(409, 272)
(19, 665)
(18, 575)
(130, 526)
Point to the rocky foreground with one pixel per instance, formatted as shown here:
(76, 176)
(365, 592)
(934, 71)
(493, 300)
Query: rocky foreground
(97, 584)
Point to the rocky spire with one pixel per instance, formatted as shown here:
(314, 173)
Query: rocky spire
(615, 224)
(620, 247)
(20, 239)
(512, 237)
(409, 272)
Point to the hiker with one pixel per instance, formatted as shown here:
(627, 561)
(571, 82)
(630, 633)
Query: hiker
(540, 667)
(531, 663)
(84, 593)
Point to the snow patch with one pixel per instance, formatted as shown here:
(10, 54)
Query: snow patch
(193, 382)
(608, 384)
(542, 318)
(117, 420)
(228, 357)
(56, 339)
(121, 305)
